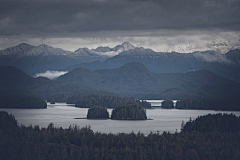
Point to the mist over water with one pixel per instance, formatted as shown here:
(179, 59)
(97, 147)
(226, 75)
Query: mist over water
(51, 74)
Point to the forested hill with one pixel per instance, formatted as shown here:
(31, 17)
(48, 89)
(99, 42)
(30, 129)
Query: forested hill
(132, 79)
(135, 78)
(14, 82)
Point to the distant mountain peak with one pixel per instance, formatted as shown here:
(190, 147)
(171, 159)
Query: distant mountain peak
(107, 51)
(124, 47)
(127, 46)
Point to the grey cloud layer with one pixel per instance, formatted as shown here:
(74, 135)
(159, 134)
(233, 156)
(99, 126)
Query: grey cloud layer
(70, 18)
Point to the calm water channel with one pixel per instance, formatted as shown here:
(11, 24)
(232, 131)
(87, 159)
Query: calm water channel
(62, 115)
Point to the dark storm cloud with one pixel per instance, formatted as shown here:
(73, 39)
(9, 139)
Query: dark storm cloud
(70, 18)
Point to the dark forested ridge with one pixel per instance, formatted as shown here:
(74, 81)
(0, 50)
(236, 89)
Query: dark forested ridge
(129, 112)
(22, 102)
(136, 80)
(109, 101)
(173, 62)
(97, 112)
(133, 80)
(32, 142)
(203, 103)
(14, 82)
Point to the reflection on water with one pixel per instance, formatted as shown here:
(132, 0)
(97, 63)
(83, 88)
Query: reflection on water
(62, 115)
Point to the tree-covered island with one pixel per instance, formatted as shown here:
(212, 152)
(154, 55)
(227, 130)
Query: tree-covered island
(97, 112)
(167, 104)
(129, 112)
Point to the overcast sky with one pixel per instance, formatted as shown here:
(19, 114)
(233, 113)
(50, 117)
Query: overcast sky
(155, 24)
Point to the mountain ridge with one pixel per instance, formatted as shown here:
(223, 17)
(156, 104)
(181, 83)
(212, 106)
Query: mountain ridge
(39, 59)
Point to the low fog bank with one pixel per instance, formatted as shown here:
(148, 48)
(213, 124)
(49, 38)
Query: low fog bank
(51, 74)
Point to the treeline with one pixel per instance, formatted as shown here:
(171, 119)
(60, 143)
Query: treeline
(109, 101)
(202, 103)
(32, 142)
(214, 123)
(22, 102)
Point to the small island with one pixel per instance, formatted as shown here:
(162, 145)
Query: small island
(167, 104)
(97, 112)
(129, 112)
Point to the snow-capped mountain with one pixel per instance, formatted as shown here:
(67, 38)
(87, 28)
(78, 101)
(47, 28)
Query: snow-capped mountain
(38, 59)
(18, 50)
(24, 49)
(45, 50)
